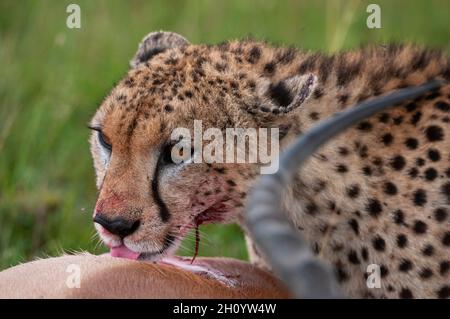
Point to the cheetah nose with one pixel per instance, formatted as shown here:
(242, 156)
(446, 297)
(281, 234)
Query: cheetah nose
(118, 226)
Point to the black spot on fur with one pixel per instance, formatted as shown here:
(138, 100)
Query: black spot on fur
(384, 271)
(420, 227)
(254, 55)
(413, 172)
(398, 162)
(332, 205)
(420, 161)
(399, 217)
(411, 143)
(286, 56)
(374, 207)
(188, 94)
(405, 265)
(311, 209)
(387, 139)
(353, 191)
(343, 151)
(430, 174)
(308, 64)
(426, 273)
(446, 239)
(390, 188)
(318, 93)
(444, 292)
(405, 293)
(402, 241)
(416, 118)
(441, 105)
(432, 96)
(220, 170)
(150, 53)
(367, 170)
(434, 155)
(168, 108)
(120, 98)
(377, 161)
(164, 212)
(364, 126)
(362, 151)
(398, 120)
(410, 107)
(384, 117)
(434, 133)
(354, 225)
(341, 168)
(364, 253)
(428, 250)
(231, 183)
(347, 71)
(420, 60)
(341, 273)
(269, 68)
(343, 98)
(325, 68)
(444, 267)
(440, 214)
(419, 197)
(445, 190)
(379, 244)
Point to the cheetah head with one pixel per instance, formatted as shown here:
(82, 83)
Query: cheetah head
(147, 200)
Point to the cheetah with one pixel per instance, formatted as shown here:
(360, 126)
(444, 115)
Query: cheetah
(377, 194)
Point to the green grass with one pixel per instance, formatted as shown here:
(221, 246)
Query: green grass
(53, 78)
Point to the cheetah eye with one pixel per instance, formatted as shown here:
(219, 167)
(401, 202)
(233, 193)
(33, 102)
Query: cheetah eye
(104, 141)
(177, 157)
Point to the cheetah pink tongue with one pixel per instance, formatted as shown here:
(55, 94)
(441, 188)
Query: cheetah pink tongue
(123, 252)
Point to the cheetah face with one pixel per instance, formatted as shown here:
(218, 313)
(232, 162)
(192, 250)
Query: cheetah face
(147, 201)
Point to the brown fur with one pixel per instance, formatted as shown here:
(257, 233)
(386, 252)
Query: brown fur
(106, 277)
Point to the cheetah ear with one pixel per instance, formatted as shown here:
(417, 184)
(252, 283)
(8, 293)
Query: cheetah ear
(154, 43)
(285, 95)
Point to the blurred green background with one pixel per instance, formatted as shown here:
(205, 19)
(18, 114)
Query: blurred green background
(53, 78)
